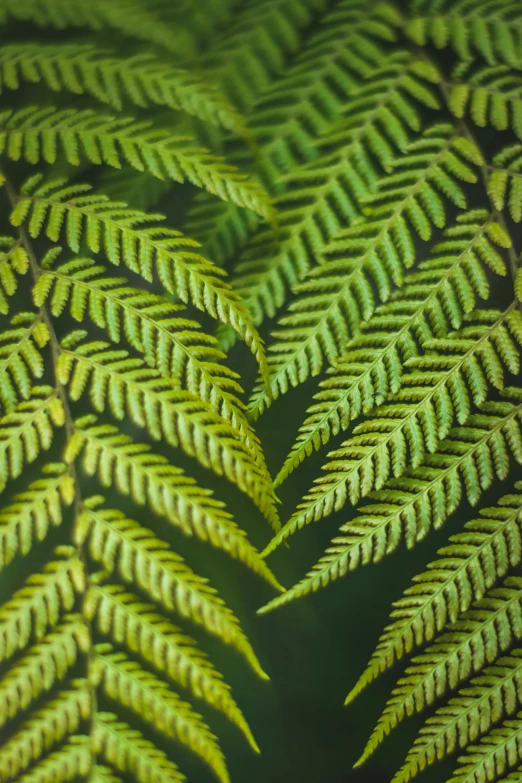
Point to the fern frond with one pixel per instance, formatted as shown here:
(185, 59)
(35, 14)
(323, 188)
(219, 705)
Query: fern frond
(490, 95)
(364, 261)
(20, 359)
(45, 663)
(471, 563)
(492, 29)
(56, 208)
(13, 263)
(129, 751)
(140, 558)
(438, 392)
(36, 134)
(493, 757)
(103, 774)
(433, 301)
(505, 181)
(129, 621)
(141, 79)
(37, 607)
(124, 681)
(468, 645)
(45, 728)
(180, 418)
(488, 698)
(31, 513)
(66, 765)
(28, 430)
(465, 465)
(325, 195)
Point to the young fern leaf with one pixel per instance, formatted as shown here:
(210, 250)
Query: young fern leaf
(37, 607)
(129, 388)
(471, 563)
(30, 515)
(364, 261)
(432, 301)
(143, 631)
(505, 181)
(28, 430)
(126, 682)
(467, 646)
(150, 478)
(492, 29)
(36, 134)
(13, 263)
(140, 79)
(407, 508)
(489, 697)
(55, 208)
(139, 558)
(490, 95)
(21, 362)
(326, 193)
(437, 393)
(53, 723)
(128, 751)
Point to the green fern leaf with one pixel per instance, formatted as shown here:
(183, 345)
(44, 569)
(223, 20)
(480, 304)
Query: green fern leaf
(466, 568)
(128, 387)
(138, 626)
(140, 79)
(128, 751)
(20, 359)
(439, 391)
(493, 757)
(36, 134)
(66, 765)
(13, 262)
(126, 682)
(505, 181)
(491, 29)
(488, 698)
(432, 301)
(127, 239)
(491, 96)
(139, 557)
(46, 727)
(368, 258)
(466, 464)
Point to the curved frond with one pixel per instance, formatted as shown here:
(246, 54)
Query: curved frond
(13, 263)
(362, 263)
(36, 134)
(493, 757)
(140, 558)
(471, 563)
(432, 301)
(65, 765)
(505, 181)
(466, 464)
(124, 681)
(54, 209)
(21, 362)
(129, 388)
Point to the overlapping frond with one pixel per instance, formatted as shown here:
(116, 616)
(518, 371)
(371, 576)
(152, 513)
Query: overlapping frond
(36, 134)
(57, 209)
(490, 96)
(467, 462)
(13, 263)
(141, 558)
(362, 263)
(491, 29)
(141, 79)
(471, 563)
(505, 181)
(128, 387)
(127, 683)
(439, 391)
(494, 756)
(432, 301)
(325, 194)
